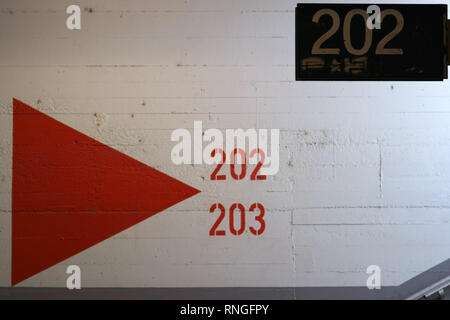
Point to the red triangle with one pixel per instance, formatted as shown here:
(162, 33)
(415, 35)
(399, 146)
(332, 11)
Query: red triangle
(70, 192)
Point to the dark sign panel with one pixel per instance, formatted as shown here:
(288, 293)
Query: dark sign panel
(371, 42)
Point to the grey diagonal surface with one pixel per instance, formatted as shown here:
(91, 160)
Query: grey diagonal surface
(402, 291)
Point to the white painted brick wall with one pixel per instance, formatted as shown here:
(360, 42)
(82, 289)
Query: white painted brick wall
(365, 168)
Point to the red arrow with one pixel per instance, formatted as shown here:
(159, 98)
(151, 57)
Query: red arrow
(70, 192)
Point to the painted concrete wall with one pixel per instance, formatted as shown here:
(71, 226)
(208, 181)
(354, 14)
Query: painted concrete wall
(365, 167)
